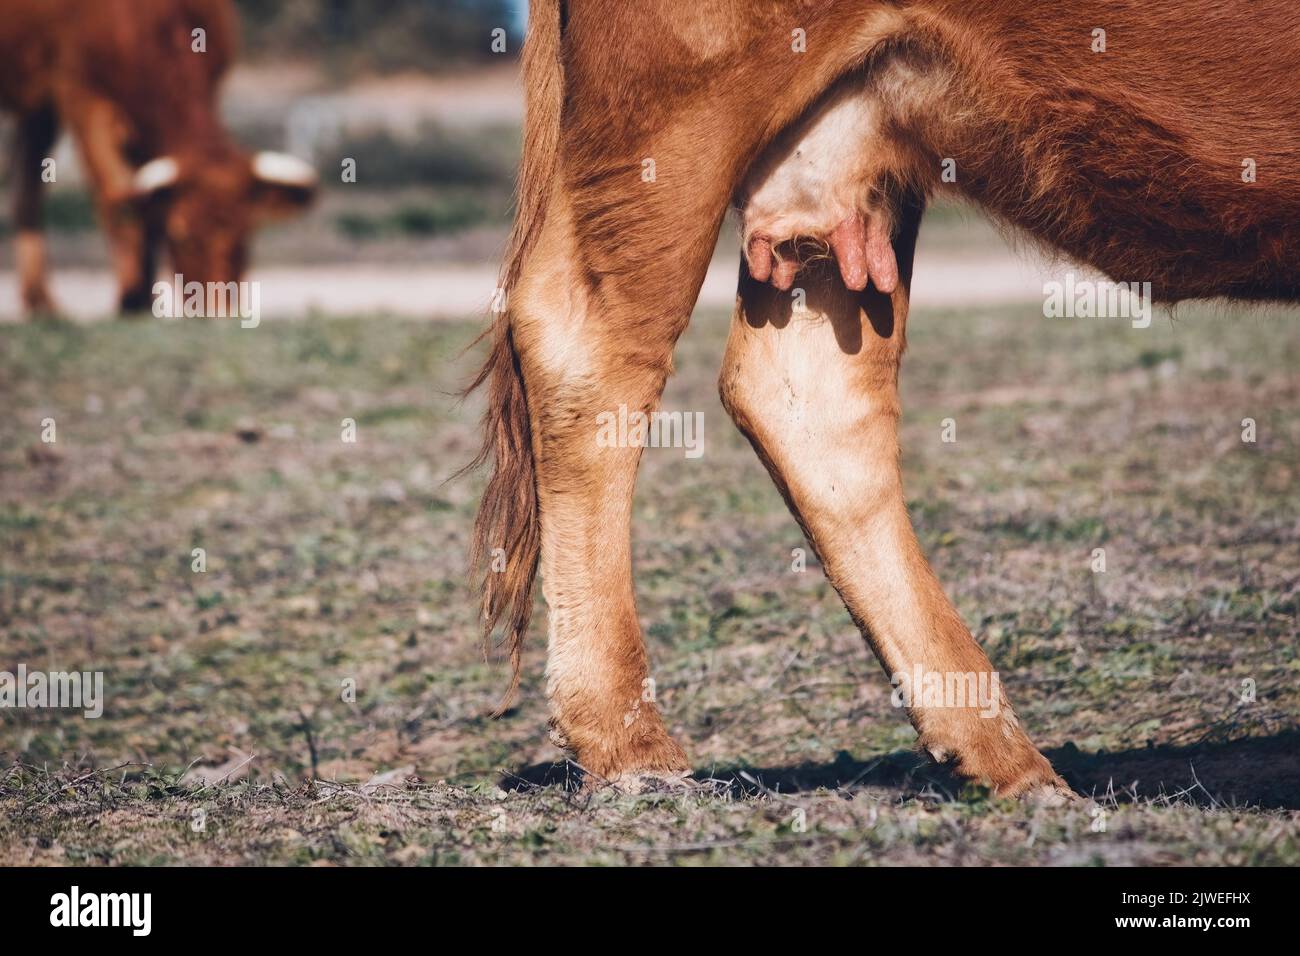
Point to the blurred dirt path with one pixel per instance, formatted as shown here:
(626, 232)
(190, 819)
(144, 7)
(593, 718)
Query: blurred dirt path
(942, 280)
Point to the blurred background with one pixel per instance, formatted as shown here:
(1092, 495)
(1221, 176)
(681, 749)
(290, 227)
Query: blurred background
(413, 91)
(410, 89)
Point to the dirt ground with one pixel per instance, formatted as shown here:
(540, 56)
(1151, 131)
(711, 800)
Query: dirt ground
(317, 694)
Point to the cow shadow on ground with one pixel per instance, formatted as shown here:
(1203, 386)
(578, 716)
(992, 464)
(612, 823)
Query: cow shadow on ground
(1259, 772)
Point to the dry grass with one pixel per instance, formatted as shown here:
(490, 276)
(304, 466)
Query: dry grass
(331, 562)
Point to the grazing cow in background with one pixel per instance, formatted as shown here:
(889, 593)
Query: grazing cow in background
(136, 83)
(832, 122)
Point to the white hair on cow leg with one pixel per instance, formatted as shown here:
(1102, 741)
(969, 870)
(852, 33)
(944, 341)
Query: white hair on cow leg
(283, 169)
(156, 174)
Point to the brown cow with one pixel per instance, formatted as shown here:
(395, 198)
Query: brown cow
(833, 120)
(138, 88)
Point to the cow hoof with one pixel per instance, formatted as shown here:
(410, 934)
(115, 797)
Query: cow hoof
(40, 307)
(637, 782)
(136, 304)
(1054, 793)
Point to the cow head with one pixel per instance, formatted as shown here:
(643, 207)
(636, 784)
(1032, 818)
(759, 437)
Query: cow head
(207, 210)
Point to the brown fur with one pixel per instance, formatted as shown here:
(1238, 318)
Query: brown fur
(1129, 160)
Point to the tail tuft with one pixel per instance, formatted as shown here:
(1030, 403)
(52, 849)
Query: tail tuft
(507, 532)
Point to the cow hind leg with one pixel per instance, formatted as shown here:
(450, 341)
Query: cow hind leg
(583, 364)
(815, 391)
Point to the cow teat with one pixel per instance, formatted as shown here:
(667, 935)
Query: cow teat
(817, 182)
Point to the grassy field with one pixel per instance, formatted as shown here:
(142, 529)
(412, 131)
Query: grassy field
(317, 695)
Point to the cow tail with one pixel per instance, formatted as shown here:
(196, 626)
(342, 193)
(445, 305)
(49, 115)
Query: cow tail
(507, 535)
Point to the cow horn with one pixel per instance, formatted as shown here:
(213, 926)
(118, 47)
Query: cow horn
(156, 174)
(281, 169)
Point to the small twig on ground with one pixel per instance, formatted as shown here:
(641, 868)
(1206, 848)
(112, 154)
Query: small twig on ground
(66, 786)
(311, 743)
(1214, 801)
